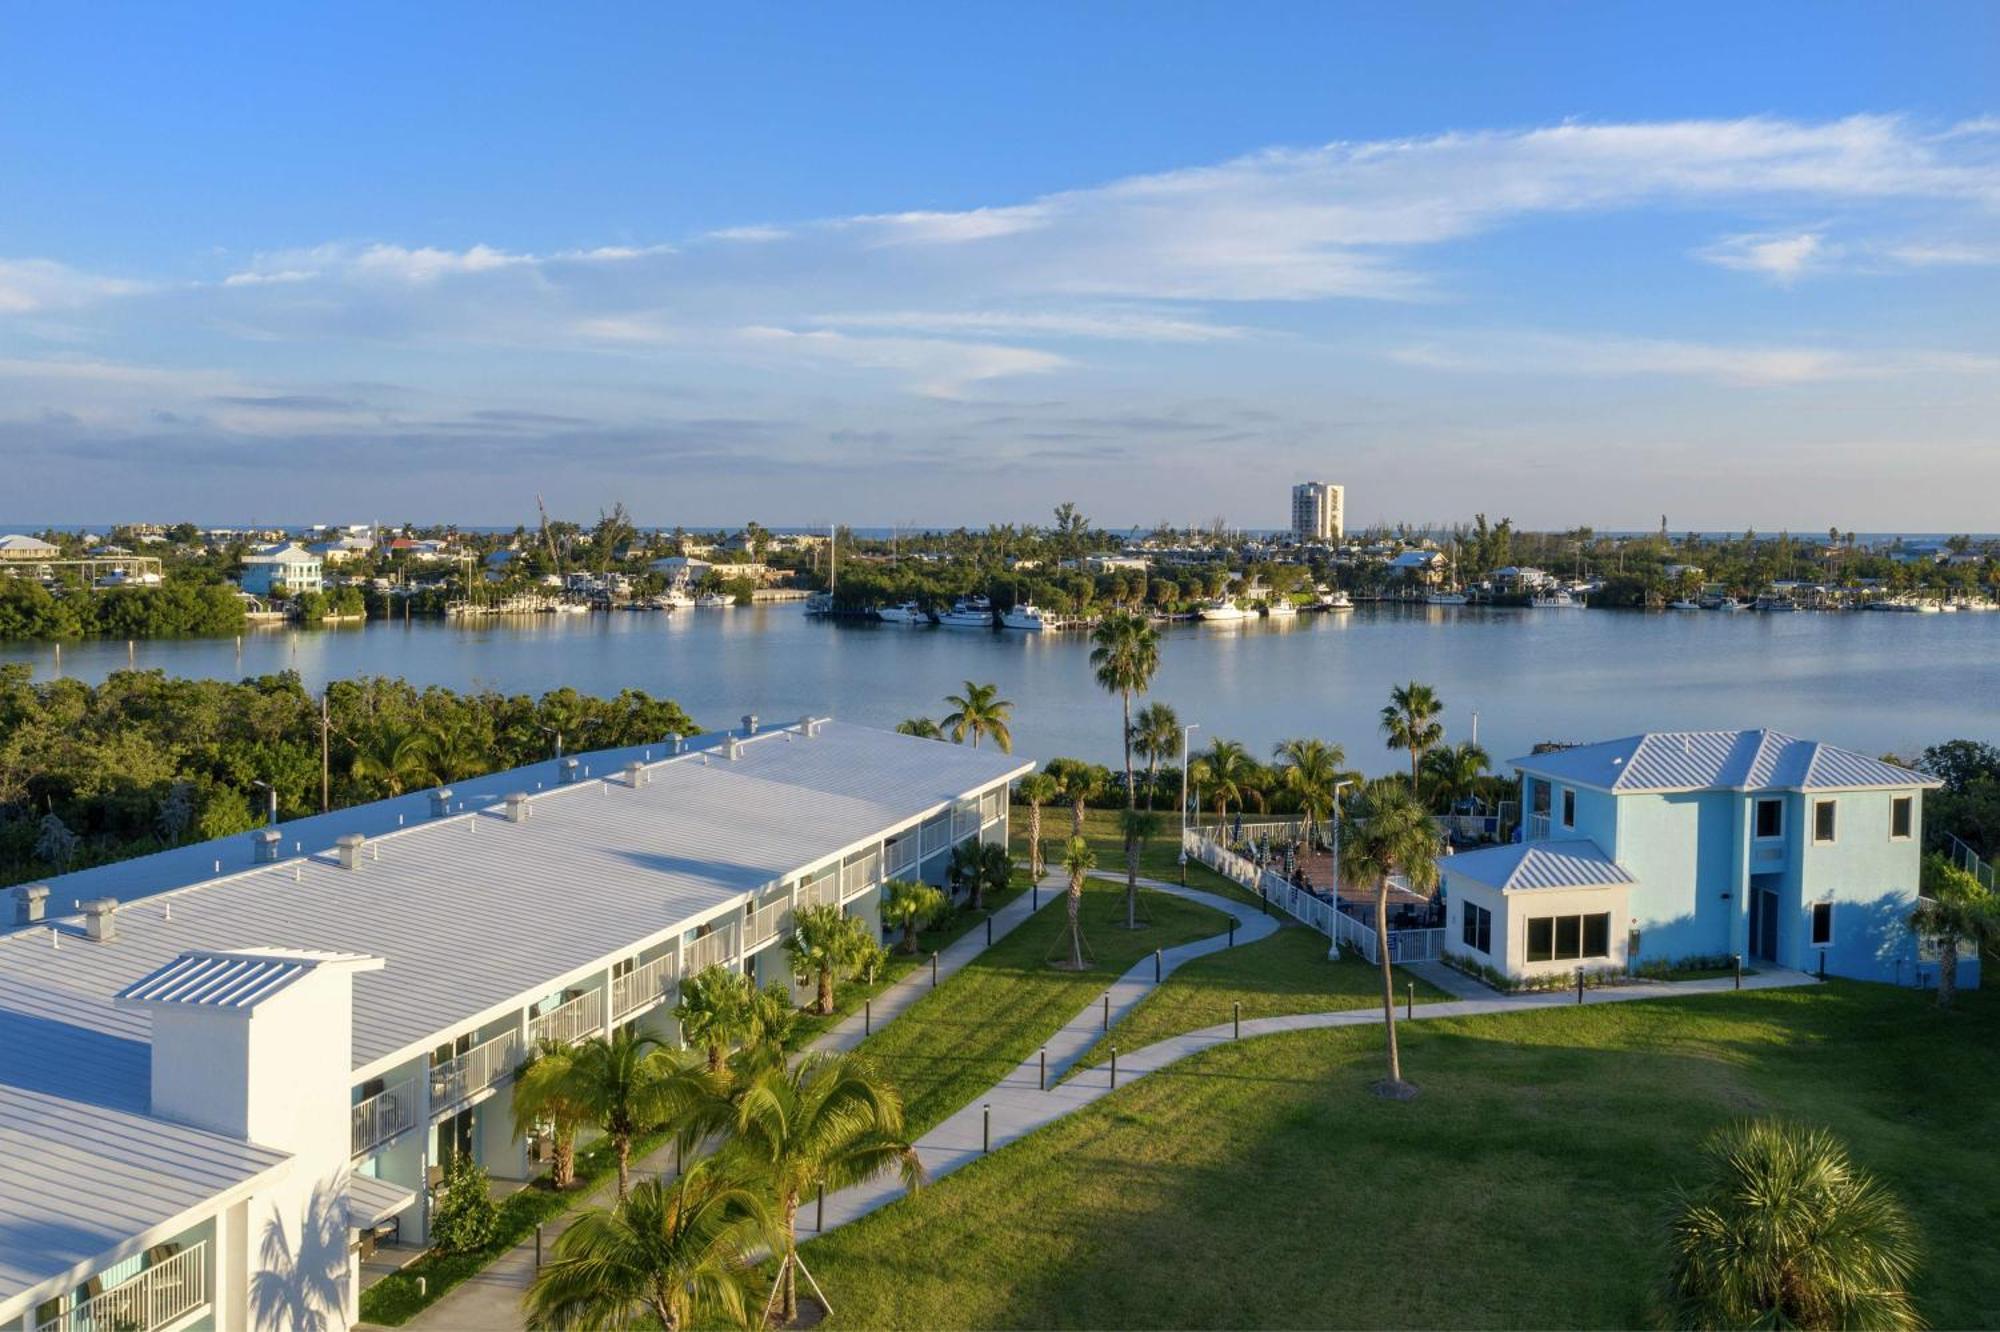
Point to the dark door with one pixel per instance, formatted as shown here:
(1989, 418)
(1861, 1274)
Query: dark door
(1764, 925)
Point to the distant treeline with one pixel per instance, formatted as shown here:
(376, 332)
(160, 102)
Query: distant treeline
(91, 774)
(173, 609)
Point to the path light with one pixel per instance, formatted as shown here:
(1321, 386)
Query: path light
(1236, 1021)
(1114, 1068)
(986, 1128)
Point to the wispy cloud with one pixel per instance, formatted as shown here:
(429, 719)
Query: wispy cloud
(1112, 325)
(934, 367)
(1782, 257)
(1518, 352)
(29, 286)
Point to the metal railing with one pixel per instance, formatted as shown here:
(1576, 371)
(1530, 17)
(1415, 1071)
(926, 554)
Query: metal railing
(1969, 860)
(900, 855)
(642, 985)
(382, 1116)
(711, 950)
(936, 836)
(164, 1293)
(823, 891)
(571, 1021)
(1418, 945)
(474, 1071)
(768, 923)
(964, 819)
(859, 875)
(1538, 827)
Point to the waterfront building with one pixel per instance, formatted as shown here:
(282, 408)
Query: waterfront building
(25, 549)
(1319, 511)
(286, 569)
(217, 1091)
(1674, 845)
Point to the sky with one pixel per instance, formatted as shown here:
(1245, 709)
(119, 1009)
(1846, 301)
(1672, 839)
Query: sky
(1728, 265)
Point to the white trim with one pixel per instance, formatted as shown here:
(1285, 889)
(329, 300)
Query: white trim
(1812, 919)
(1757, 804)
(1911, 835)
(1813, 830)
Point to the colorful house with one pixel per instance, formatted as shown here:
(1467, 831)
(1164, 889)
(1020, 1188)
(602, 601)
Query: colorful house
(281, 570)
(1677, 845)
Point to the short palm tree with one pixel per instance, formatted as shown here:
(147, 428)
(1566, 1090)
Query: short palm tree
(1410, 722)
(980, 868)
(1955, 908)
(1080, 783)
(910, 906)
(1453, 772)
(1035, 790)
(542, 1096)
(628, 1083)
(825, 1122)
(921, 727)
(1078, 861)
(1389, 832)
(459, 750)
(822, 941)
(1312, 770)
(673, 1254)
(980, 711)
(1126, 653)
(1228, 775)
(714, 1011)
(1156, 735)
(1785, 1231)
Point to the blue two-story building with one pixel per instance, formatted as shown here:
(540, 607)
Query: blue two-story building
(1700, 844)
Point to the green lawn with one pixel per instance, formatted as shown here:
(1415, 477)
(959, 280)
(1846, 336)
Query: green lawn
(1285, 973)
(957, 1041)
(1158, 859)
(1261, 1185)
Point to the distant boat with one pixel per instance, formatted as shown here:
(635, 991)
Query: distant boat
(1446, 599)
(714, 601)
(1776, 605)
(1222, 610)
(1024, 616)
(1728, 604)
(903, 612)
(1336, 601)
(675, 598)
(570, 608)
(968, 613)
(1280, 607)
(1684, 604)
(1559, 599)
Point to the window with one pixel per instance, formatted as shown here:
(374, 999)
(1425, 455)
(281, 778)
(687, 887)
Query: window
(1770, 818)
(1569, 808)
(1902, 817)
(1569, 938)
(1822, 924)
(1823, 820)
(1478, 928)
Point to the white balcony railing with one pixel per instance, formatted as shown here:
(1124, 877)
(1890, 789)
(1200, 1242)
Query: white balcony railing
(474, 1071)
(1538, 827)
(936, 835)
(823, 891)
(768, 923)
(901, 856)
(164, 1293)
(643, 985)
(712, 949)
(859, 874)
(964, 819)
(572, 1021)
(385, 1114)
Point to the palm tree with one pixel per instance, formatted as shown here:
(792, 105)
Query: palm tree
(921, 727)
(1955, 908)
(542, 1095)
(1227, 773)
(1389, 832)
(1126, 654)
(459, 750)
(822, 941)
(768, 1021)
(980, 711)
(828, 1121)
(1454, 772)
(1410, 721)
(1079, 860)
(1787, 1232)
(1035, 790)
(910, 906)
(1312, 770)
(675, 1254)
(980, 868)
(399, 759)
(1080, 783)
(714, 1011)
(1156, 735)
(628, 1083)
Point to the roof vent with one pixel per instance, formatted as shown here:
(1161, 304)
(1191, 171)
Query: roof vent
(735, 749)
(677, 741)
(749, 723)
(29, 901)
(269, 846)
(518, 808)
(635, 775)
(348, 847)
(441, 802)
(566, 771)
(100, 918)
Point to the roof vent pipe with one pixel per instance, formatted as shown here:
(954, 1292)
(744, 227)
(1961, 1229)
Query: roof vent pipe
(348, 848)
(518, 807)
(749, 723)
(635, 775)
(566, 771)
(735, 749)
(269, 846)
(100, 919)
(677, 742)
(30, 901)
(441, 802)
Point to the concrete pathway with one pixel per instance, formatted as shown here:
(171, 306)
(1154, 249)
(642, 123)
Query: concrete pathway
(1450, 979)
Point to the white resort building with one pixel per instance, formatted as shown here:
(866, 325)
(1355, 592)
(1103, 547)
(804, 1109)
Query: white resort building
(229, 1067)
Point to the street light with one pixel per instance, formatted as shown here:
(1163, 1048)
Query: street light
(1191, 726)
(550, 730)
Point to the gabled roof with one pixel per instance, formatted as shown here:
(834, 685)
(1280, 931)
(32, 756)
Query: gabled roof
(1577, 863)
(1718, 760)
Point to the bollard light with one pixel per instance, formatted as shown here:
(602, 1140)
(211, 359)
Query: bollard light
(986, 1128)
(1156, 966)
(819, 1221)
(867, 1016)
(989, 931)
(1410, 1002)
(1045, 1069)
(1114, 1068)
(1107, 1012)
(1236, 1021)
(933, 970)
(1737, 959)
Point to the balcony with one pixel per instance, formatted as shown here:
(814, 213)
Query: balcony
(964, 819)
(465, 1076)
(767, 924)
(711, 950)
(642, 986)
(167, 1292)
(385, 1114)
(572, 1021)
(936, 835)
(858, 875)
(901, 857)
(823, 891)
(1538, 827)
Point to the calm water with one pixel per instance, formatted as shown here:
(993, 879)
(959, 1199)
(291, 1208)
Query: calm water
(1873, 682)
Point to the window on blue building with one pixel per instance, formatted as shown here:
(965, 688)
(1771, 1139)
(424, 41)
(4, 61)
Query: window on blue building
(1478, 928)
(1823, 811)
(1822, 924)
(1902, 817)
(1770, 818)
(1569, 808)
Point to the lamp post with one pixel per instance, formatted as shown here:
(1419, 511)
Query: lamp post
(1191, 726)
(272, 821)
(1333, 944)
(550, 730)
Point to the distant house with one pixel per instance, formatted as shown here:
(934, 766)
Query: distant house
(26, 549)
(1422, 565)
(1700, 844)
(1104, 564)
(342, 549)
(1522, 578)
(687, 569)
(282, 570)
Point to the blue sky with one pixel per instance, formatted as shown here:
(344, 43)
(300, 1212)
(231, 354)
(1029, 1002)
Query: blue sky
(1572, 263)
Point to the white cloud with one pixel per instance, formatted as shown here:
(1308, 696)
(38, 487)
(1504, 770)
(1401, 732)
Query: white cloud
(1113, 325)
(1749, 365)
(934, 368)
(29, 286)
(1781, 257)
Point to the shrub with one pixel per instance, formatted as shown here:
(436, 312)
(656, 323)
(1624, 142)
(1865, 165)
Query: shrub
(465, 1215)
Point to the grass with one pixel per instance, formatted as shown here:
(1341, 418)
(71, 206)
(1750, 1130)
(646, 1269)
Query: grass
(1288, 972)
(1158, 859)
(971, 1031)
(1261, 1185)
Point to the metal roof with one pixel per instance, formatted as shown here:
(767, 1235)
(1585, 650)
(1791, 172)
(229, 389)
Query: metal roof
(1718, 760)
(1573, 863)
(229, 980)
(371, 1201)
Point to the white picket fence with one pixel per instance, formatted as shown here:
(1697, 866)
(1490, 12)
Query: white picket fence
(1317, 912)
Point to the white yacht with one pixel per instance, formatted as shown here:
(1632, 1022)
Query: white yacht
(1684, 604)
(675, 598)
(1280, 607)
(1446, 599)
(969, 613)
(1336, 600)
(1730, 604)
(1221, 610)
(903, 612)
(1026, 616)
(714, 601)
(1555, 599)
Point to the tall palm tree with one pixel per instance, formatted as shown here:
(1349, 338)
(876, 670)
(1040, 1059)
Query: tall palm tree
(1410, 721)
(543, 1094)
(1035, 790)
(627, 1083)
(1126, 653)
(1955, 908)
(1227, 774)
(714, 1011)
(910, 905)
(672, 1254)
(980, 711)
(1312, 771)
(1079, 860)
(1787, 1232)
(1389, 832)
(822, 941)
(1080, 783)
(1454, 772)
(827, 1121)
(397, 758)
(1156, 735)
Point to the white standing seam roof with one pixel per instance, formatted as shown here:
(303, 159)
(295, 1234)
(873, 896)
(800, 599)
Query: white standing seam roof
(1718, 760)
(1572, 863)
(228, 980)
